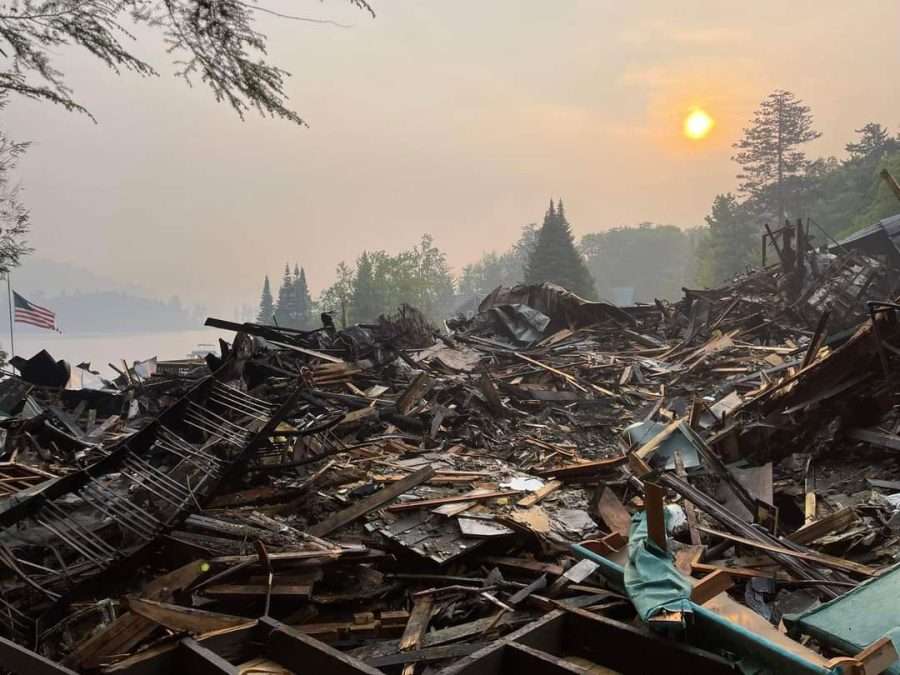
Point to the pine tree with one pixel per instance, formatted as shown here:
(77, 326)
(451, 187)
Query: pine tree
(266, 306)
(731, 243)
(284, 309)
(303, 300)
(874, 141)
(769, 155)
(555, 259)
(366, 303)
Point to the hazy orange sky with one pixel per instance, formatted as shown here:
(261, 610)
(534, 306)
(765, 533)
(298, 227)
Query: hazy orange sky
(456, 118)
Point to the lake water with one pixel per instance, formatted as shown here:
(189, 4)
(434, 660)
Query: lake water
(101, 350)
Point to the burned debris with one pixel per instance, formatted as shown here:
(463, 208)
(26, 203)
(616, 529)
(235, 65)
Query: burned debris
(552, 484)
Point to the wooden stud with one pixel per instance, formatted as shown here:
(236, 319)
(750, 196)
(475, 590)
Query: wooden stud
(654, 507)
(710, 586)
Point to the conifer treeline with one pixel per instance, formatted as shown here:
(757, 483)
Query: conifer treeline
(630, 264)
(294, 307)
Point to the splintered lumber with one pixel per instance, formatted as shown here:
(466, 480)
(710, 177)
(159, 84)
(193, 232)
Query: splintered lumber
(646, 451)
(582, 469)
(546, 489)
(372, 502)
(414, 393)
(128, 630)
(874, 659)
(875, 437)
(425, 503)
(613, 513)
(416, 628)
(486, 384)
(568, 378)
(819, 528)
(817, 558)
(184, 619)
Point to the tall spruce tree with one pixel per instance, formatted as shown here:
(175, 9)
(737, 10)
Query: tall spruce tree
(367, 302)
(284, 309)
(772, 164)
(303, 300)
(555, 259)
(731, 243)
(266, 306)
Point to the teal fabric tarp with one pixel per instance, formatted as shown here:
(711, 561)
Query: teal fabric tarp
(651, 580)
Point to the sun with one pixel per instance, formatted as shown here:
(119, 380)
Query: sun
(698, 124)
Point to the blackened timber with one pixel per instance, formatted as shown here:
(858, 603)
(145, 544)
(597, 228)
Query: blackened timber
(199, 660)
(21, 661)
(427, 654)
(303, 654)
(371, 502)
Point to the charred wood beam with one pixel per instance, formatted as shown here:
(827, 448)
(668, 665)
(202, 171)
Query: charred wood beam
(303, 654)
(21, 661)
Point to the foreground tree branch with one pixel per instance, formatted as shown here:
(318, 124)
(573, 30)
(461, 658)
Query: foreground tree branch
(210, 40)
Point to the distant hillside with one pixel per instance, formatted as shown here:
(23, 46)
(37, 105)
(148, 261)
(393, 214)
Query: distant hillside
(40, 277)
(85, 302)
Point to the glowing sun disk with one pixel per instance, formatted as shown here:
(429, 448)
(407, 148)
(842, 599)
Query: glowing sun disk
(698, 124)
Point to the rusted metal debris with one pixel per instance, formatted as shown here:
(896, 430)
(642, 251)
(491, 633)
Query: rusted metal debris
(398, 498)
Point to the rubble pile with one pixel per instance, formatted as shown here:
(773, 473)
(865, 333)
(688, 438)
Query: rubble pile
(553, 484)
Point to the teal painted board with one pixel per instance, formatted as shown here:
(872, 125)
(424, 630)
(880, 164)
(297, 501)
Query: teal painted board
(856, 619)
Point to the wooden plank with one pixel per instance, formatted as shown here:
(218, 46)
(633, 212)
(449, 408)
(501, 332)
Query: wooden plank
(487, 387)
(196, 659)
(809, 486)
(710, 586)
(877, 657)
(568, 378)
(689, 511)
(283, 556)
(304, 654)
(686, 557)
(534, 567)
(22, 661)
(520, 658)
(817, 558)
(547, 489)
(427, 503)
(184, 619)
(308, 352)
(875, 437)
(613, 513)
(646, 451)
(654, 501)
(414, 393)
(582, 469)
(371, 502)
(416, 628)
(252, 590)
(123, 634)
(819, 528)
(425, 655)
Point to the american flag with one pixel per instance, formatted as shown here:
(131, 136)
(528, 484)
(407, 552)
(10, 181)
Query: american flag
(35, 315)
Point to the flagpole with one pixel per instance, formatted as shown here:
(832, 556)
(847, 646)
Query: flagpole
(12, 339)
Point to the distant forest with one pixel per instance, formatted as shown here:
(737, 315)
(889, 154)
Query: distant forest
(626, 264)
